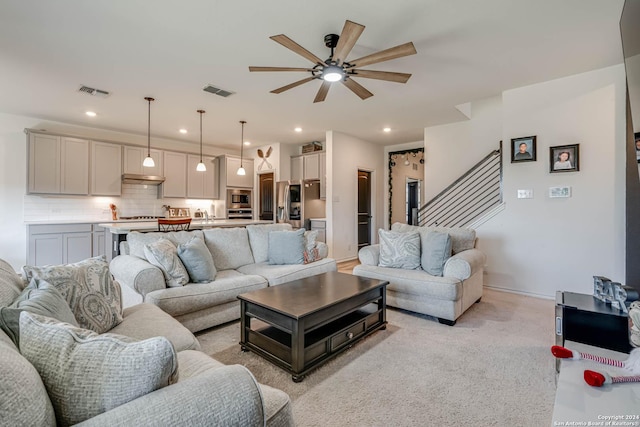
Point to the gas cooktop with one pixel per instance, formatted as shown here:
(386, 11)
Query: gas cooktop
(141, 217)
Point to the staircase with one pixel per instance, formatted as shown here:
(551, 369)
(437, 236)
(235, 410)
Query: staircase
(472, 196)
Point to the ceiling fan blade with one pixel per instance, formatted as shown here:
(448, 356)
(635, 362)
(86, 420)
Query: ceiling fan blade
(291, 45)
(348, 38)
(382, 75)
(322, 92)
(292, 85)
(385, 55)
(357, 88)
(278, 69)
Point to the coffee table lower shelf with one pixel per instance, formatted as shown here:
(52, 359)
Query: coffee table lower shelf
(320, 344)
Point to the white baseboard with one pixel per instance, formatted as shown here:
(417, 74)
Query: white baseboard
(528, 294)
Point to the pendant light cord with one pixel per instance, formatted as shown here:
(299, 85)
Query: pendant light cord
(149, 99)
(242, 122)
(201, 112)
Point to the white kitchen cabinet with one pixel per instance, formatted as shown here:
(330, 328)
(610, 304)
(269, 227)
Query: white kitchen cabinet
(231, 170)
(319, 225)
(58, 165)
(322, 160)
(297, 168)
(106, 169)
(175, 173)
(99, 244)
(201, 185)
(133, 158)
(311, 166)
(59, 243)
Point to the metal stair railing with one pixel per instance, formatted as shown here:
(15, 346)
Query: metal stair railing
(470, 196)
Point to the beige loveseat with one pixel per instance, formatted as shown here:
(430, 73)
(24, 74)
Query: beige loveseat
(206, 392)
(241, 258)
(445, 297)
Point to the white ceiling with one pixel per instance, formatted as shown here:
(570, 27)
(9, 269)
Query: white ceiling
(467, 50)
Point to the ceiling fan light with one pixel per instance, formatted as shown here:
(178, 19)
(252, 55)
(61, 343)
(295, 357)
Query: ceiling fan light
(148, 162)
(201, 167)
(333, 73)
(241, 171)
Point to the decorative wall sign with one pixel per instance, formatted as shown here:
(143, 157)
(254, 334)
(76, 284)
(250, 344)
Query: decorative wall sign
(523, 149)
(564, 158)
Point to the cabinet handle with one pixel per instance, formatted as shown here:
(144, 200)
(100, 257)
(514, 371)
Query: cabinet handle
(349, 335)
(559, 326)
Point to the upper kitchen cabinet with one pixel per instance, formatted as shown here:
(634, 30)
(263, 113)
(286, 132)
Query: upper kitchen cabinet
(311, 166)
(175, 174)
(307, 166)
(133, 158)
(106, 169)
(201, 185)
(297, 168)
(231, 172)
(58, 165)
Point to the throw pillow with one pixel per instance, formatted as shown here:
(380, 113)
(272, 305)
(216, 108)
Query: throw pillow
(163, 254)
(88, 288)
(86, 374)
(259, 239)
(197, 260)
(399, 250)
(286, 247)
(436, 249)
(12, 283)
(310, 248)
(41, 298)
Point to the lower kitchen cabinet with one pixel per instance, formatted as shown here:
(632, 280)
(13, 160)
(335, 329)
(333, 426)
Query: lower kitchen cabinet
(53, 244)
(320, 226)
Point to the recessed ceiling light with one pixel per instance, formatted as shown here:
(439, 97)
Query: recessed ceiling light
(387, 129)
(247, 143)
(91, 113)
(182, 131)
(298, 129)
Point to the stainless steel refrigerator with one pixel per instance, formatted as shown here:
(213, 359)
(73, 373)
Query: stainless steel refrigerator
(290, 203)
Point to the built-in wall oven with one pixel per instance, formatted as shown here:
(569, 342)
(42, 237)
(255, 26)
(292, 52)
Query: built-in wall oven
(239, 204)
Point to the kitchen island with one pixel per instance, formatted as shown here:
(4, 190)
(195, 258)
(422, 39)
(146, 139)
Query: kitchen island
(119, 230)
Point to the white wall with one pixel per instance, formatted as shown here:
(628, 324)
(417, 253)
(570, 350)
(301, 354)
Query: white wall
(541, 245)
(345, 155)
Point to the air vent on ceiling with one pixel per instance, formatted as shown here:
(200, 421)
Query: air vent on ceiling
(217, 91)
(94, 92)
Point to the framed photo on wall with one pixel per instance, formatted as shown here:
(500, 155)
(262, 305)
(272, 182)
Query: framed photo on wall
(564, 158)
(523, 149)
(637, 139)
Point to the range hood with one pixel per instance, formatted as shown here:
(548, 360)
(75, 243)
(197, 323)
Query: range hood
(134, 178)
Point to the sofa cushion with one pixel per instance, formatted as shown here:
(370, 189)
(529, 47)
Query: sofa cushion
(163, 254)
(39, 298)
(259, 239)
(88, 288)
(436, 249)
(461, 238)
(278, 274)
(286, 247)
(399, 250)
(198, 261)
(229, 247)
(11, 284)
(23, 397)
(86, 374)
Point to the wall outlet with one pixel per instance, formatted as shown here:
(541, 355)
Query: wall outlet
(525, 194)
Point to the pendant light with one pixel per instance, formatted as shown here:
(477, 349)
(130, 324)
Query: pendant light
(241, 170)
(201, 167)
(148, 161)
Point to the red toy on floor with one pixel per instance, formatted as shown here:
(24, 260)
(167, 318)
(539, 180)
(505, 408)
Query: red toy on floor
(598, 379)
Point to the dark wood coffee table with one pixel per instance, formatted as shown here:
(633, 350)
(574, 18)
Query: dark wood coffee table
(301, 324)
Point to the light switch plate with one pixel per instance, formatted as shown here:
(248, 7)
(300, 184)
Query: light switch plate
(555, 192)
(525, 194)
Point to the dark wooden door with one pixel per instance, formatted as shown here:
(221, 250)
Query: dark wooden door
(266, 188)
(364, 208)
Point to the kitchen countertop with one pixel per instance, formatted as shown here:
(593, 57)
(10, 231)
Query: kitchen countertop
(126, 227)
(318, 219)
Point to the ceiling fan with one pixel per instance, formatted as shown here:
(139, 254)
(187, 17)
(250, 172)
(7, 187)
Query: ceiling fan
(336, 68)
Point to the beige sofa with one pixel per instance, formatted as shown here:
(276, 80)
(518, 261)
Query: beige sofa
(240, 256)
(445, 297)
(206, 392)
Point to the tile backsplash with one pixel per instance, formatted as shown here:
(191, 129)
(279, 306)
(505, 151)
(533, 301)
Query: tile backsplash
(135, 200)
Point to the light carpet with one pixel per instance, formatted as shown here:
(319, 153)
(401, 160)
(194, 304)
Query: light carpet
(493, 368)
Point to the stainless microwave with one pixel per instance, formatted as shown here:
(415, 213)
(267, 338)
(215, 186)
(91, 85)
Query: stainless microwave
(237, 199)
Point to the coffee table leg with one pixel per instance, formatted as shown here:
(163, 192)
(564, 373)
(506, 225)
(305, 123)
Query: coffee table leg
(245, 323)
(297, 350)
(297, 378)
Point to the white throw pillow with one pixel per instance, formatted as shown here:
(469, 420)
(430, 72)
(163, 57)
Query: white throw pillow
(86, 374)
(399, 250)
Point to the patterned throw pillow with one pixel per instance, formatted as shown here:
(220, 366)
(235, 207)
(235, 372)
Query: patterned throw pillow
(399, 250)
(41, 298)
(86, 374)
(163, 254)
(310, 249)
(88, 288)
(198, 261)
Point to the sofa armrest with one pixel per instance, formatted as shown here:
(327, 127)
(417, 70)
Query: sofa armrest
(369, 255)
(464, 264)
(227, 396)
(323, 250)
(137, 274)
